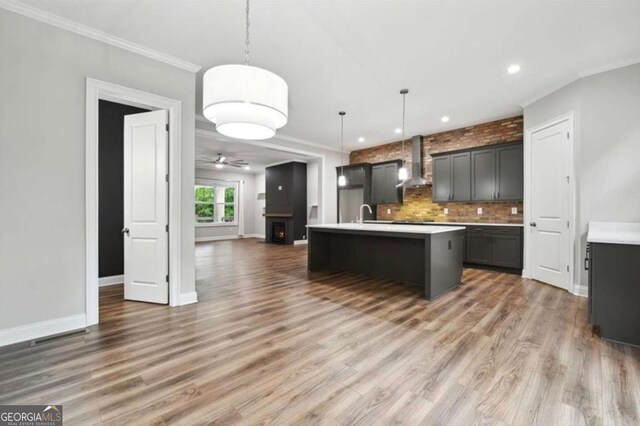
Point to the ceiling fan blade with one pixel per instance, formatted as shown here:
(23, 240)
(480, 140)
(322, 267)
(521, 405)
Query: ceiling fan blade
(232, 165)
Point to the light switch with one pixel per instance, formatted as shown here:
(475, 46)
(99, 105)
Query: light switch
(514, 210)
(479, 210)
(279, 187)
(446, 210)
(388, 211)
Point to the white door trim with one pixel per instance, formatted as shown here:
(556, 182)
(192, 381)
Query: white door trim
(97, 90)
(574, 287)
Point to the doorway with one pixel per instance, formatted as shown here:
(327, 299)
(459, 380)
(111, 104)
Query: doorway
(549, 198)
(170, 112)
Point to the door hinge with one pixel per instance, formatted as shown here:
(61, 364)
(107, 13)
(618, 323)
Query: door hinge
(166, 126)
(567, 268)
(166, 228)
(567, 133)
(167, 277)
(166, 177)
(567, 224)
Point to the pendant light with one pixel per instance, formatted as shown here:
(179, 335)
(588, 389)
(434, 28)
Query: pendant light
(243, 101)
(342, 180)
(402, 171)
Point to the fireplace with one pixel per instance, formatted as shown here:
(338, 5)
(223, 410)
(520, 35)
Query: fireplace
(279, 232)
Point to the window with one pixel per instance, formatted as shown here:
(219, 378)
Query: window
(215, 202)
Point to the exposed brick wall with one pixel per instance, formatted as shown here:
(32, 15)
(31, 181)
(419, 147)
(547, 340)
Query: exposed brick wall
(418, 204)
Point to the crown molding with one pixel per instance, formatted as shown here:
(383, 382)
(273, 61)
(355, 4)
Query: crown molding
(610, 67)
(92, 33)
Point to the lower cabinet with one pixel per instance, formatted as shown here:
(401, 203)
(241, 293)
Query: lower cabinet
(494, 246)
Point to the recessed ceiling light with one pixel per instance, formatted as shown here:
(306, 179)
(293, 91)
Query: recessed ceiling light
(445, 119)
(360, 139)
(398, 130)
(219, 166)
(247, 168)
(513, 69)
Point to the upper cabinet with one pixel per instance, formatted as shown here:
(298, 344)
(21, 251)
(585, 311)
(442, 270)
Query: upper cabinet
(493, 173)
(357, 175)
(451, 177)
(384, 178)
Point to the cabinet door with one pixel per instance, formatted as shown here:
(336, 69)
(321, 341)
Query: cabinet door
(461, 177)
(507, 250)
(441, 178)
(479, 248)
(356, 176)
(390, 182)
(509, 172)
(483, 175)
(377, 184)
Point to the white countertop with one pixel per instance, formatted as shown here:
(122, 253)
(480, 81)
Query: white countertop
(614, 233)
(520, 225)
(381, 227)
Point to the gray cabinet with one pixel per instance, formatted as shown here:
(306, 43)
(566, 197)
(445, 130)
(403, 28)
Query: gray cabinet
(452, 177)
(509, 172)
(614, 291)
(441, 166)
(493, 173)
(483, 175)
(494, 246)
(384, 178)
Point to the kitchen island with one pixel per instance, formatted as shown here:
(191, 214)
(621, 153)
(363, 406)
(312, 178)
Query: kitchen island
(427, 256)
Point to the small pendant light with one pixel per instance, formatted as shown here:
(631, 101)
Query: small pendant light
(342, 180)
(402, 171)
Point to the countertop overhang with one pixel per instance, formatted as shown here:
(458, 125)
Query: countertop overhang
(614, 233)
(379, 227)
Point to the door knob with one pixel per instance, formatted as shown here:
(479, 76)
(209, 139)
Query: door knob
(125, 231)
(532, 224)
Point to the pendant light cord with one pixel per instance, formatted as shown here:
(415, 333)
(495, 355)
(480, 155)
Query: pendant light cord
(246, 42)
(404, 96)
(342, 113)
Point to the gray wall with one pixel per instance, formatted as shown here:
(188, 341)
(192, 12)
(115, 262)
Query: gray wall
(247, 204)
(42, 161)
(607, 146)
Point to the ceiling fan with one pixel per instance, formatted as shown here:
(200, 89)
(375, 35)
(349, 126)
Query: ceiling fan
(222, 161)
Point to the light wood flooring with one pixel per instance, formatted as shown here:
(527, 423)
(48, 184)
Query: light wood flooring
(270, 344)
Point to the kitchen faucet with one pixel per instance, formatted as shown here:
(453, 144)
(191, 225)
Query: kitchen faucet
(362, 213)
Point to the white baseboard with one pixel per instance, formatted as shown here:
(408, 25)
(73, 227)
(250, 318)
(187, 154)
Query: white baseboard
(188, 298)
(581, 290)
(227, 237)
(24, 333)
(114, 279)
(299, 242)
(216, 238)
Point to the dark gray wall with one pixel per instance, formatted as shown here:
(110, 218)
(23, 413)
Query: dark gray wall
(111, 186)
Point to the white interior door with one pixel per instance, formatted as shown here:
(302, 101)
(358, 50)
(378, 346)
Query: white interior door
(146, 238)
(550, 194)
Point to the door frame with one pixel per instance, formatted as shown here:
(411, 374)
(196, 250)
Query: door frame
(573, 286)
(97, 90)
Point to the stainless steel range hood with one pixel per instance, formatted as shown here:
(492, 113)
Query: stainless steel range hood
(416, 180)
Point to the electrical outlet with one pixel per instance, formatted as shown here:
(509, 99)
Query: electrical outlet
(479, 210)
(279, 187)
(388, 211)
(446, 211)
(514, 210)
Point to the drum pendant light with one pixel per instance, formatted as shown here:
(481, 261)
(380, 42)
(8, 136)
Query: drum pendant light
(402, 171)
(342, 180)
(243, 101)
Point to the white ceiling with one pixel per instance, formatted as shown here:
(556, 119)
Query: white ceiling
(355, 55)
(208, 145)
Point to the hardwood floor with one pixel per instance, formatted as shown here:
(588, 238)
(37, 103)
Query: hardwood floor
(269, 344)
